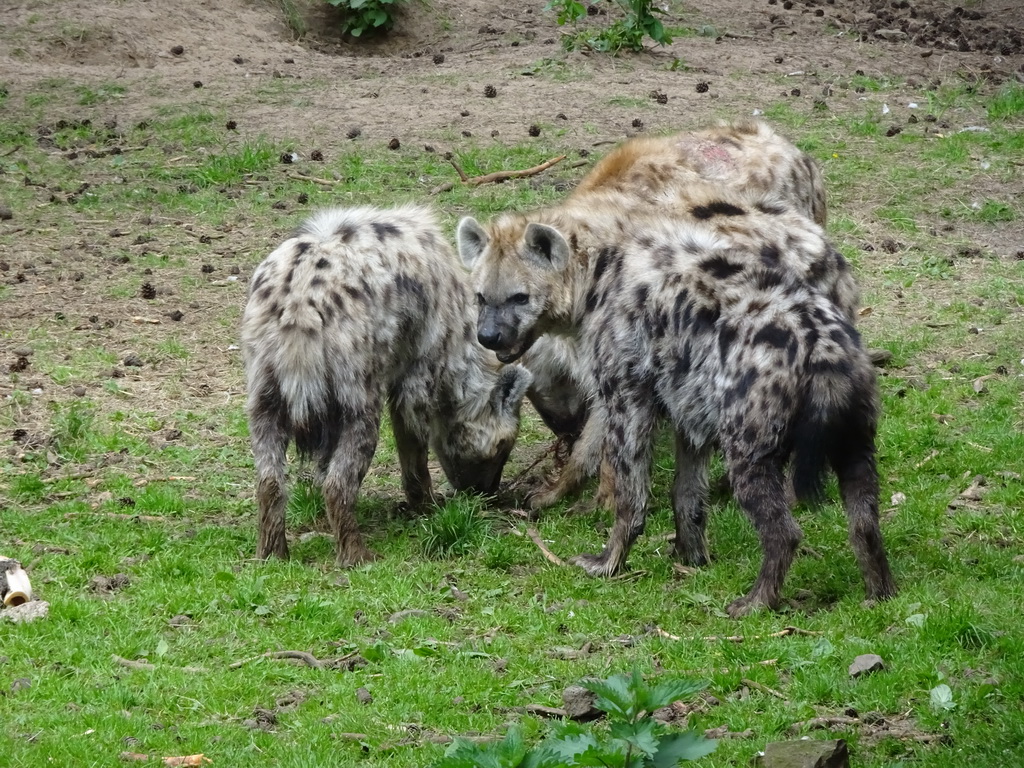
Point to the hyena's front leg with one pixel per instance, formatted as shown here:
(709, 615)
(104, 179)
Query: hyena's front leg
(689, 501)
(269, 444)
(352, 456)
(412, 456)
(582, 463)
(627, 467)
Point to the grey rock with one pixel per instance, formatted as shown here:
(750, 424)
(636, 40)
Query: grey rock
(865, 664)
(805, 753)
(578, 703)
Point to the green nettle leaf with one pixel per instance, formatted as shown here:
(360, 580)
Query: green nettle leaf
(615, 695)
(162, 647)
(640, 734)
(568, 747)
(664, 693)
(676, 747)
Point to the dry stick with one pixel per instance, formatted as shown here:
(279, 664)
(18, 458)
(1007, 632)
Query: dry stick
(304, 177)
(785, 632)
(146, 666)
(553, 448)
(730, 670)
(551, 556)
(118, 516)
(499, 176)
(458, 169)
(492, 178)
(308, 658)
(762, 688)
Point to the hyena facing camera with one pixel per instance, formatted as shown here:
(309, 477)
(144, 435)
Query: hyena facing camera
(716, 318)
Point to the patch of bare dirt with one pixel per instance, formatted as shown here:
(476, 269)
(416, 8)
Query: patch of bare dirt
(454, 75)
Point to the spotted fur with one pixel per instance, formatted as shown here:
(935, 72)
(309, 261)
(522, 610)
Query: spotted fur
(362, 307)
(732, 320)
(746, 157)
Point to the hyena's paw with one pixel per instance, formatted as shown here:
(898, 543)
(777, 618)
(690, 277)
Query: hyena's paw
(354, 555)
(747, 605)
(277, 547)
(595, 565)
(547, 494)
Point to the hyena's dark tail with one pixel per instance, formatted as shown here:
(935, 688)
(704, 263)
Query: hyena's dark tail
(839, 416)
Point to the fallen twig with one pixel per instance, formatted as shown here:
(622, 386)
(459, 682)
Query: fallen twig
(785, 632)
(824, 722)
(499, 176)
(730, 670)
(551, 556)
(118, 516)
(171, 762)
(147, 667)
(458, 168)
(540, 709)
(308, 658)
(314, 179)
(761, 687)
(551, 449)
(492, 178)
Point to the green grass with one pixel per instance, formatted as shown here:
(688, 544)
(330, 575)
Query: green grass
(149, 474)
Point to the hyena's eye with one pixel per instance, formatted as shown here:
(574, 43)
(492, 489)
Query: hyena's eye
(520, 298)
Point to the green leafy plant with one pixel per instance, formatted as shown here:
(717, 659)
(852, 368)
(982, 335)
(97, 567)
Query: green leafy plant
(366, 16)
(634, 738)
(639, 21)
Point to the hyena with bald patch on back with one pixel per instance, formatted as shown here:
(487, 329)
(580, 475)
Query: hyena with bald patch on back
(656, 173)
(719, 318)
(362, 307)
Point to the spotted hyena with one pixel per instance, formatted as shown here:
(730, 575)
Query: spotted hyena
(656, 173)
(362, 306)
(720, 317)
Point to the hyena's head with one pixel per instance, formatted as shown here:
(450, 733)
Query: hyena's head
(517, 267)
(478, 440)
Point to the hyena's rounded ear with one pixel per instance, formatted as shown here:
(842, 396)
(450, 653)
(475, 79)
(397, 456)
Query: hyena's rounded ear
(508, 393)
(546, 247)
(472, 240)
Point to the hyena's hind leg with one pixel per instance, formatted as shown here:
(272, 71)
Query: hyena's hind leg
(759, 485)
(353, 453)
(689, 502)
(270, 439)
(852, 456)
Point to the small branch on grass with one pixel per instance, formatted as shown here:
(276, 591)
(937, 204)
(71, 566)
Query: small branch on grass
(551, 449)
(314, 179)
(493, 178)
(458, 168)
(349, 660)
(730, 670)
(785, 632)
(140, 320)
(761, 687)
(147, 667)
(829, 723)
(171, 762)
(500, 176)
(551, 556)
(118, 516)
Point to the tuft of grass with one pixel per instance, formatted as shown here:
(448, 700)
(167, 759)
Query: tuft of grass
(1008, 102)
(457, 528)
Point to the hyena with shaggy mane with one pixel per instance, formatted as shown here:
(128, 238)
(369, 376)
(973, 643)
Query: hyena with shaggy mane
(361, 307)
(712, 319)
(657, 173)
